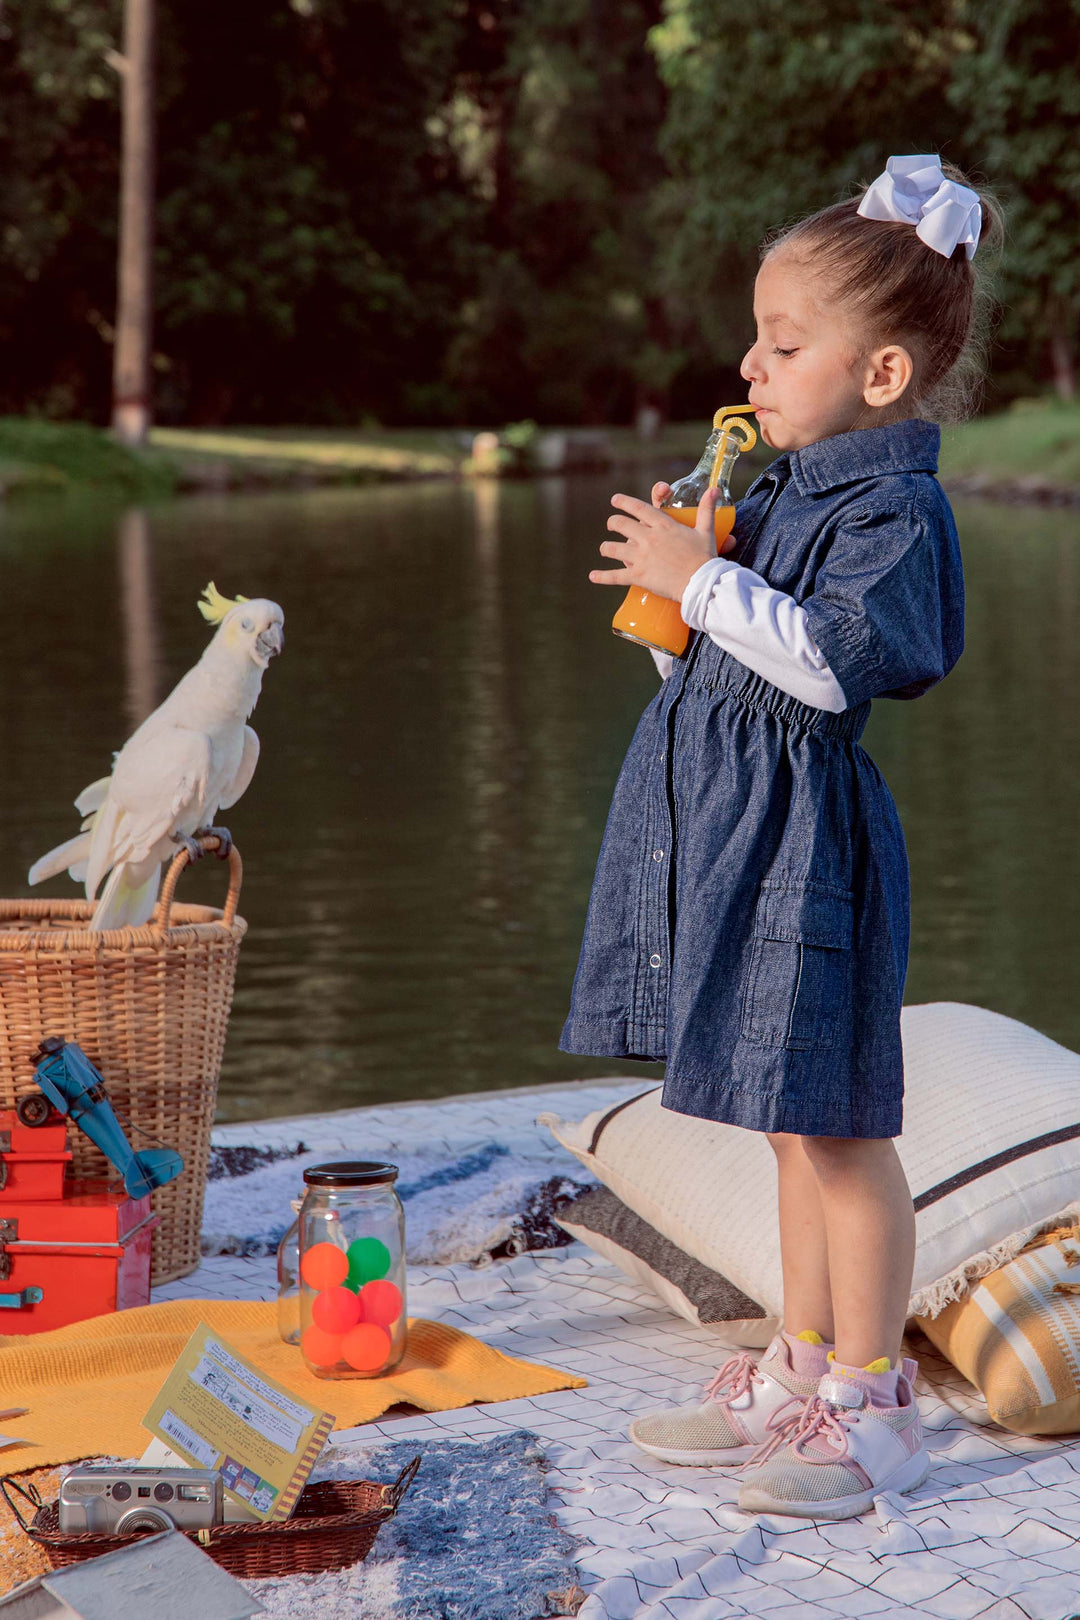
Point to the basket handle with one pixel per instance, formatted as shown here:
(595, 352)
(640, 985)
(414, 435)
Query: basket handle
(29, 1493)
(392, 1494)
(172, 877)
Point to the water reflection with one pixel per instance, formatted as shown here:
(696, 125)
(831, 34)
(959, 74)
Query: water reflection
(440, 741)
(138, 607)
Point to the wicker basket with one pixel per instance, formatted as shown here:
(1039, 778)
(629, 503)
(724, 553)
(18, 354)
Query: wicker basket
(333, 1524)
(149, 1006)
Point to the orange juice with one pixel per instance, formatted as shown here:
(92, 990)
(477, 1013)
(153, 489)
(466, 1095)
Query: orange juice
(655, 621)
(723, 520)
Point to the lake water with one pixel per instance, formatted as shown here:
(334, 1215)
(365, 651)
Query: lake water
(440, 741)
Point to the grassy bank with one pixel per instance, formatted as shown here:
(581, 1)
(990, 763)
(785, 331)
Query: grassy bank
(57, 458)
(1029, 451)
(1034, 447)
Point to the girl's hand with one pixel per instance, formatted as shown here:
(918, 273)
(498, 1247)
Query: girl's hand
(658, 554)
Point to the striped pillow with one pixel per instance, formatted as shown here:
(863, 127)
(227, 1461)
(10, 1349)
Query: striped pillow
(1016, 1336)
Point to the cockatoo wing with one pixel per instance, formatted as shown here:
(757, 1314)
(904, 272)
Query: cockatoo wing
(74, 854)
(60, 859)
(242, 780)
(157, 789)
(93, 797)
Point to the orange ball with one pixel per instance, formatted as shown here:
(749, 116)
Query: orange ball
(321, 1349)
(336, 1310)
(381, 1302)
(366, 1347)
(324, 1266)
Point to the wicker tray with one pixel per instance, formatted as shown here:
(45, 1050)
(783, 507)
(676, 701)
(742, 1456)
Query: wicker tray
(149, 1006)
(333, 1524)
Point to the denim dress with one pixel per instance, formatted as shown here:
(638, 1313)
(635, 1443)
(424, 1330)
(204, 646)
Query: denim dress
(748, 921)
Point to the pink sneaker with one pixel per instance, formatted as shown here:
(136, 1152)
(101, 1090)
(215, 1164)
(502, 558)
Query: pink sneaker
(830, 1460)
(733, 1419)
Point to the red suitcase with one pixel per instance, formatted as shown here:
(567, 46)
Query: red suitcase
(62, 1260)
(33, 1160)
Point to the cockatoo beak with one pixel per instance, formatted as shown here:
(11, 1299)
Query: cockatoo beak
(271, 642)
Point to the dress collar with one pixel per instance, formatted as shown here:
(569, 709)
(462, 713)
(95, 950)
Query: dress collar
(848, 458)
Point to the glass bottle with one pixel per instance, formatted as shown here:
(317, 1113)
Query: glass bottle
(655, 621)
(352, 1270)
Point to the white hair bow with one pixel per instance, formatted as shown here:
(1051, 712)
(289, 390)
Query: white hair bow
(914, 191)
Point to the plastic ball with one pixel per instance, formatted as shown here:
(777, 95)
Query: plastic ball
(336, 1310)
(324, 1265)
(368, 1259)
(321, 1349)
(366, 1347)
(381, 1302)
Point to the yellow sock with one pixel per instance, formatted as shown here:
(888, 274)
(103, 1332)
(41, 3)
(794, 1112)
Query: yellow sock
(881, 1365)
(808, 1336)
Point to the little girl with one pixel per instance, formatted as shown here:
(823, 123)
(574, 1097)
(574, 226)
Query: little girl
(749, 914)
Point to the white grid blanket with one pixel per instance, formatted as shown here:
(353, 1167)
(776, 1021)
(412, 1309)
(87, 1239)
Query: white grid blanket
(994, 1534)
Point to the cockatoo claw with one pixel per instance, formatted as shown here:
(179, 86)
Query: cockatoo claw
(194, 849)
(224, 838)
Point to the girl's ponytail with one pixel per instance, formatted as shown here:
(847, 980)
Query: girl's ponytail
(899, 288)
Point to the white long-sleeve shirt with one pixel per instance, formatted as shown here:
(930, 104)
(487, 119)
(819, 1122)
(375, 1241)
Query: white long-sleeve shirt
(763, 628)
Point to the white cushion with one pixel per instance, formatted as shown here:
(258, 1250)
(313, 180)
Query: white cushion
(979, 1087)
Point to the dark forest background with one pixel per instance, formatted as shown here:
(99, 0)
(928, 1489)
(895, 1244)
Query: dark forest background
(438, 211)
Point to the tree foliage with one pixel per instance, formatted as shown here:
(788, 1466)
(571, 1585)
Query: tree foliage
(438, 210)
(780, 112)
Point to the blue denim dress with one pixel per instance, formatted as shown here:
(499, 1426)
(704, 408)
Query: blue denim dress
(749, 915)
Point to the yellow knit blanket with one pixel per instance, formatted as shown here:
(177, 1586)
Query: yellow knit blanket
(88, 1386)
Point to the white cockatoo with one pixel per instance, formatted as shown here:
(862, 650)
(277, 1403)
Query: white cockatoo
(192, 757)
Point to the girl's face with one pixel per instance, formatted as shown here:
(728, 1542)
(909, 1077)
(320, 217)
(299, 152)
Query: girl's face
(807, 378)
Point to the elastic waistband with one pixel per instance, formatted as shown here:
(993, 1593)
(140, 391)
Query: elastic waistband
(714, 670)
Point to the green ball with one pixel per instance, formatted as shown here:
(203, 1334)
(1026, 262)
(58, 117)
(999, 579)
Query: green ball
(368, 1260)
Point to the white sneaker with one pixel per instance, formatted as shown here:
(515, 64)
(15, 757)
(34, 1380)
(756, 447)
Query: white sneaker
(833, 1458)
(733, 1419)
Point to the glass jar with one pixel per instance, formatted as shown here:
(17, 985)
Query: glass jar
(656, 621)
(288, 1281)
(352, 1270)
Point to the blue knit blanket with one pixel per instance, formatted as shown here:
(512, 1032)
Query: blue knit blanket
(474, 1539)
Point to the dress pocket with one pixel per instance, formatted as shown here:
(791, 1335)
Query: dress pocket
(799, 979)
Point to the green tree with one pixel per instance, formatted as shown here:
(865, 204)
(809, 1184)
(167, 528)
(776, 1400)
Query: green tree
(1018, 91)
(58, 202)
(777, 110)
(558, 112)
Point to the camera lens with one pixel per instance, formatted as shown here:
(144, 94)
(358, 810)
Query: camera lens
(121, 1490)
(163, 1492)
(143, 1518)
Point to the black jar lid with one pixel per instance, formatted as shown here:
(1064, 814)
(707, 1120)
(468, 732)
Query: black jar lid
(351, 1173)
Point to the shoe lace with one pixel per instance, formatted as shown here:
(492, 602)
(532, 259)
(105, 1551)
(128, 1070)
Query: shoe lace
(809, 1420)
(732, 1380)
(780, 1425)
(824, 1422)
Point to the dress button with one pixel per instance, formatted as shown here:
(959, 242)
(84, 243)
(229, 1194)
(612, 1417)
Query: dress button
(657, 854)
(654, 960)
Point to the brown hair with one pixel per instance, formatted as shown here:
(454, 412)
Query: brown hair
(901, 290)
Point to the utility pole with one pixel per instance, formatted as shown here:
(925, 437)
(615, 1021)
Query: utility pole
(132, 406)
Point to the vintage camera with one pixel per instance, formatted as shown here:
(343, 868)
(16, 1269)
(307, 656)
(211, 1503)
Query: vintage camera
(122, 1501)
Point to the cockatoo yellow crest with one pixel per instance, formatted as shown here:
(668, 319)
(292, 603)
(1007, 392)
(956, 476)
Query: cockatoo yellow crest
(215, 606)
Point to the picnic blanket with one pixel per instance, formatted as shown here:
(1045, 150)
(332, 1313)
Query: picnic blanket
(994, 1534)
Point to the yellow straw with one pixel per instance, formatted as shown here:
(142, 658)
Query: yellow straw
(718, 459)
(746, 439)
